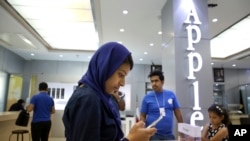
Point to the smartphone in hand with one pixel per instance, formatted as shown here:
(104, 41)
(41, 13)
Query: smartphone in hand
(155, 122)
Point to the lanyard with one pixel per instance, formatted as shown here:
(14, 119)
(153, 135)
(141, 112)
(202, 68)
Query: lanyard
(163, 103)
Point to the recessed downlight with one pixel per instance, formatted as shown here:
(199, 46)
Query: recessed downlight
(125, 12)
(215, 20)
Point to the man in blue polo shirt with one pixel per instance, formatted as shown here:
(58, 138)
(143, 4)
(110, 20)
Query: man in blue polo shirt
(160, 102)
(43, 106)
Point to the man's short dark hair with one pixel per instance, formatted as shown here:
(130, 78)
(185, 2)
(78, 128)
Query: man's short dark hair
(157, 73)
(43, 86)
(20, 101)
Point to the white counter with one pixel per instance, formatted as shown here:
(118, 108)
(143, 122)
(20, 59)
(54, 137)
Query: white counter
(8, 116)
(7, 124)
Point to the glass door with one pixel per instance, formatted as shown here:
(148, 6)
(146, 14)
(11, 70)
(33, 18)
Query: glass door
(218, 94)
(245, 98)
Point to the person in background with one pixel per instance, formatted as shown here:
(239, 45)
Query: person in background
(90, 114)
(217, 129)
(119, 101)
(42, 106)
(160, 102)
(18, 106)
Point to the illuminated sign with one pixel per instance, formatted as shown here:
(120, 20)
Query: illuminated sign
(193, 29)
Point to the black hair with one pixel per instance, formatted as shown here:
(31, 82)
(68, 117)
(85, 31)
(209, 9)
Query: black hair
(157, 73)
(43, 86)
(20, 101)
(220, 111)
(130, 61)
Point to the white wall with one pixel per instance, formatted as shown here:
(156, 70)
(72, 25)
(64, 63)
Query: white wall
(10, 62)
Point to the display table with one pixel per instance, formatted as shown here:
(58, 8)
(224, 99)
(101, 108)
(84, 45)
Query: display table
(7, 124)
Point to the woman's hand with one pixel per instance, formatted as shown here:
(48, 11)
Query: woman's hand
(139, 133)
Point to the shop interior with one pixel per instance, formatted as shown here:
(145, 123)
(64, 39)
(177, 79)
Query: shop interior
(23, 41)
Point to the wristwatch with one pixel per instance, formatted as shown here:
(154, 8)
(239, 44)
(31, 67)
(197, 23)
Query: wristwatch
(124, 139)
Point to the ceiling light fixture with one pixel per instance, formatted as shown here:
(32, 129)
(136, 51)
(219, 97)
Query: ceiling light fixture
(62, 24)
(215, 20)
(122, 30)
(25, 39)
(125, 12)
(227, 44)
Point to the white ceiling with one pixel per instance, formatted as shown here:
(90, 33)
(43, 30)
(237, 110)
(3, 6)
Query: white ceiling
(141, 24)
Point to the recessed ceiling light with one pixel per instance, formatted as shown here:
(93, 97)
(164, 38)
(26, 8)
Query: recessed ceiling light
(151, 44)
(32, 54)
(159, 32)
(214, 20)
(122, 30)
(119, 42)
(141, 59)
(25, 39)
(212, 63)
(234, 65)
(125, 12)
(89, 57)
(60, 55)
(145, 52)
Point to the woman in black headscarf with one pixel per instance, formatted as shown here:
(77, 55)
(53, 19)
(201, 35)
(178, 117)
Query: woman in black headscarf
(90, 114)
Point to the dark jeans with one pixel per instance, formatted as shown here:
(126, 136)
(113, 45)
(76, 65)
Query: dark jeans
(162, 137)
(40, 131)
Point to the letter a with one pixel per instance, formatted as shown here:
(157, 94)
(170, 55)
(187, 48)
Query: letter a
(237, 132)
(193, 13)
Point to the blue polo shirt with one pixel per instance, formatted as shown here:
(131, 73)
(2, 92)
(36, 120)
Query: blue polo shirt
(150, 107)
(42, 107)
